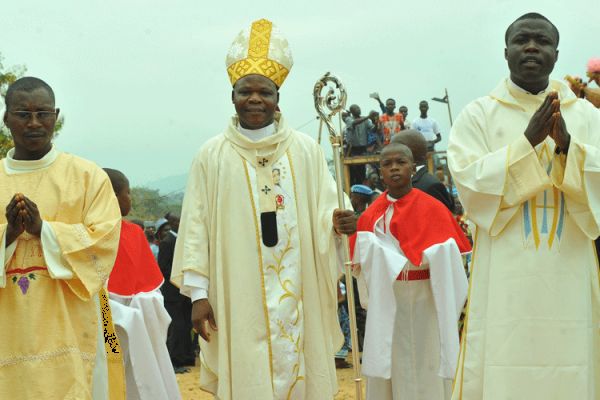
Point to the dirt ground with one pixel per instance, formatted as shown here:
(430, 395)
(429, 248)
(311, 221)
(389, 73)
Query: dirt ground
(190, 390)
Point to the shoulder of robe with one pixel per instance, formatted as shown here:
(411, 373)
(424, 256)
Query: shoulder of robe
(211, 147)
(81, 166)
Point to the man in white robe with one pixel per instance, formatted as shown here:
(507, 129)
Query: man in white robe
(256, 249)
(526, 162)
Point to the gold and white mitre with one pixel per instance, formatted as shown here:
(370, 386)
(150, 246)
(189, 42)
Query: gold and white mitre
(262, 50)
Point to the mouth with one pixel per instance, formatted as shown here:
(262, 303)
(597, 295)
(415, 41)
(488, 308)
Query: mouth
(34, 135)
(255, 111)
(396, 177)
(531, 61)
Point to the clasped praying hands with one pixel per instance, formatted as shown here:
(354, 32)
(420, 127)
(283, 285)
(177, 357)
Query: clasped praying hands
(548, 121)
(22, 215)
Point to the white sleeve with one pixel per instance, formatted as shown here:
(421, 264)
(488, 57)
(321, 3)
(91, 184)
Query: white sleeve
(57, 267)
(195, 286)
(6, 253)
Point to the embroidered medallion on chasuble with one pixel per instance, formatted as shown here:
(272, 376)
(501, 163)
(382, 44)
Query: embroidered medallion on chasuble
(261, 50)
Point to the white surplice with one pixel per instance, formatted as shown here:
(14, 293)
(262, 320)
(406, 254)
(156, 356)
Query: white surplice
(411, 339)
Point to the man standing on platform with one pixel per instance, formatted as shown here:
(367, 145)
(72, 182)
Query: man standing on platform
(257, 243)
(427, 126)
(391, 122)
(526, 162)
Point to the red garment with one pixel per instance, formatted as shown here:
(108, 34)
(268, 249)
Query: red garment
(135, 270)
(392, 124)
(419, 222)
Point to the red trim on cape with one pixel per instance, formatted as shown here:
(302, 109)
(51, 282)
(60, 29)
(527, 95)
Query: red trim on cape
(135, 270)
(419, 222)
(25, 270)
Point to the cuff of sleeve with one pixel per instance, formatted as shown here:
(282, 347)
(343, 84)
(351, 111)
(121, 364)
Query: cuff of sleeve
(194, 286)
(57, 267)
(525, 171)
(8, 251)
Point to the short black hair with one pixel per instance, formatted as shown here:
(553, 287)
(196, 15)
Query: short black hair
(391, 100)
(118, 179)
(26, 84)
(531, 15)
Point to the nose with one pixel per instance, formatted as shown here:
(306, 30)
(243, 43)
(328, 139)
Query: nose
(255, 98)
(34, 120)
(531, 46)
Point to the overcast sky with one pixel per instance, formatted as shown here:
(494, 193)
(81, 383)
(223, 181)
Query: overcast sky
(142, 84)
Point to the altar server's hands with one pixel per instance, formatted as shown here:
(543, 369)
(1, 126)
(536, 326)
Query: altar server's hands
(202, 313)
(344, 221)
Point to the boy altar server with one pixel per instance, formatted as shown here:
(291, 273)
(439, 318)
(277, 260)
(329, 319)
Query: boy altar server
(409, 249)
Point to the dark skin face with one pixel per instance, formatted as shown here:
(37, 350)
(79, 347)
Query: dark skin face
(397, 167)
(124, 198)
(32, 135)
(374, 117)
(404, 111)
(255, 99)
(174, 222)
(359, 201)
(423, 108)
(390, 105)
(531, 52)
(355, 111)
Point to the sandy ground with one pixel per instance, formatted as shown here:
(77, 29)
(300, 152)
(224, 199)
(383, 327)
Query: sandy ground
(190, 390)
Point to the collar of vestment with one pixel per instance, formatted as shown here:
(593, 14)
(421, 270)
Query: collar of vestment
(409, 223)
(262, 154)
(509, 93)
(13, 166)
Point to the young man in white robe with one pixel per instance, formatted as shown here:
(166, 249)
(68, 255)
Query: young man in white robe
(256, 249)
(526, 162)
(409, 246)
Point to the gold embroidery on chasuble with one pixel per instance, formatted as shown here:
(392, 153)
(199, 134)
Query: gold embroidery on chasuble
(282, 286)
(544, 215)
(114, 355)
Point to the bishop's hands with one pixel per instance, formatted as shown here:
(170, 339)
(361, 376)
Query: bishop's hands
(202, 313)
(22, 215)
(344, 221)
(548, 121)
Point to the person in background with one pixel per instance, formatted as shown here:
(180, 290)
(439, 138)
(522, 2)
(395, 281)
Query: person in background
(137, 308)
(179, 339)
(427, 126)
(391, 122)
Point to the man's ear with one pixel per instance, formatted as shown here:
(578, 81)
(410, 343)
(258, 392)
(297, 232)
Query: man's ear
(57, 112)
(232, 91)
(506, 54)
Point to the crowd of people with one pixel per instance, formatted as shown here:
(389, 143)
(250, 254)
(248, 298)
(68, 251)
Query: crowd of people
(368, 135)
(94, 307)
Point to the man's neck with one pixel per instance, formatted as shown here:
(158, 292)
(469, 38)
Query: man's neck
(424, 116)
(391, 113)
(532, 87)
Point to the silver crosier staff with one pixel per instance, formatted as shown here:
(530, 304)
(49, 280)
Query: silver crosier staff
(330, 100)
